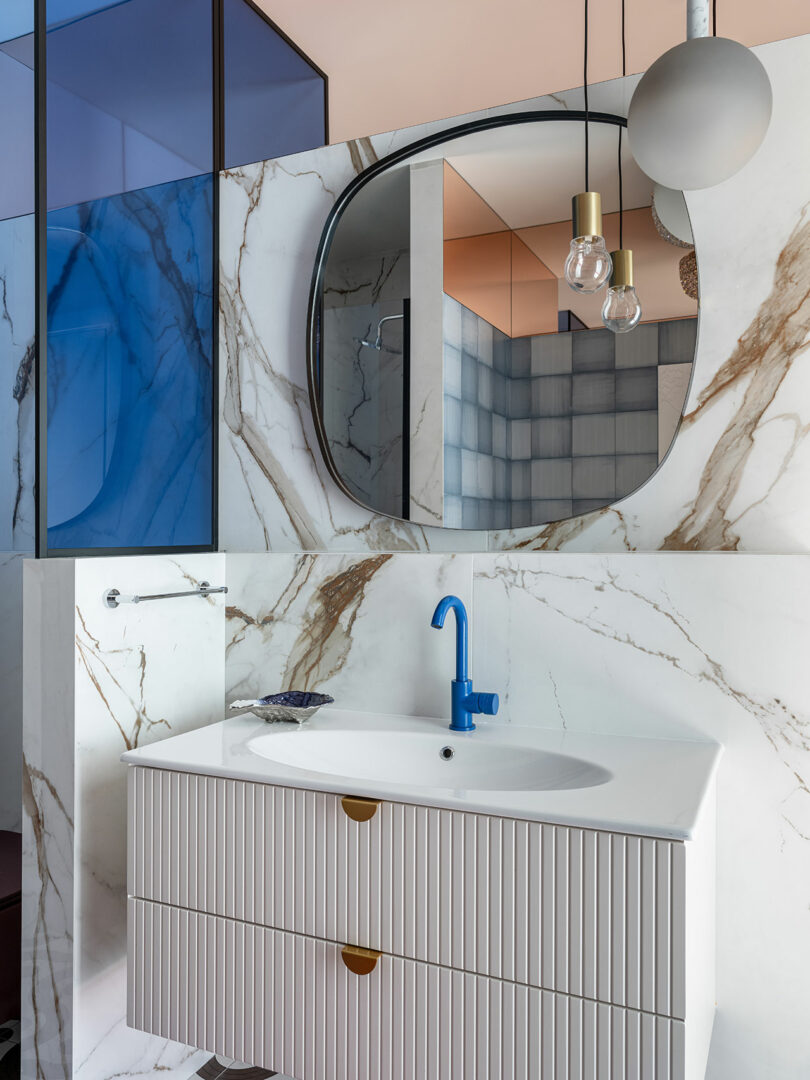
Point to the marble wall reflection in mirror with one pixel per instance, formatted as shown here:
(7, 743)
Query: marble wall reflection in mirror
(457, 379)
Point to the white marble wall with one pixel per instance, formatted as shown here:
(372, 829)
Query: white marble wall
(98, 682)
(684, 645)
(735, 477)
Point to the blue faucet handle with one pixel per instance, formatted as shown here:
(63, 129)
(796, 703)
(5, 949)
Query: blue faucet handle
(484, 703)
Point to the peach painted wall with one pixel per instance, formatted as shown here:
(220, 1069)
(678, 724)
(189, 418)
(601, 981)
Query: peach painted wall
(394, 64)
(489, 269)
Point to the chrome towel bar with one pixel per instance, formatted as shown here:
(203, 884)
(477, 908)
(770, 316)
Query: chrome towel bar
(113, 598)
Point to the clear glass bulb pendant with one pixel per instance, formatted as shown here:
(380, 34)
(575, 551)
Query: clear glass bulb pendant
(621, 310)
(588, 265)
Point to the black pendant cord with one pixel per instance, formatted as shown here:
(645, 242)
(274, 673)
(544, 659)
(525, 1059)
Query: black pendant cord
(621, 132)
(587, 110)
(714, 18)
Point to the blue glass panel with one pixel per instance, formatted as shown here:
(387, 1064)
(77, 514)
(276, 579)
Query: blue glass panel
(130, 100)
(130, 389)
(64, 11)
(16, 19)
(274, 99)
(17, 110)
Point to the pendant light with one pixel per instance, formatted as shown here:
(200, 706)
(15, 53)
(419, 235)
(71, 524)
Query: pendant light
(588, 265)
(701, 110)
(621, 310)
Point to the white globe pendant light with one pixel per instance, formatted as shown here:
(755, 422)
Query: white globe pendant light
(700, 111)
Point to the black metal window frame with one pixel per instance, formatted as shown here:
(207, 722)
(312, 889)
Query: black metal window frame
(41, 274)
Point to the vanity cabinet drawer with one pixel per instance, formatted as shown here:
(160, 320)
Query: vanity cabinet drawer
(287, 1002)
(592, 914)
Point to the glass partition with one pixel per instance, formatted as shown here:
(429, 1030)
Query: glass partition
(144, 102)
(130, 275)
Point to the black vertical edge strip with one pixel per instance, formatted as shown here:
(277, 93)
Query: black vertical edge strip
(218, 156)
(325, 78)
(40, 279)
(406, 409)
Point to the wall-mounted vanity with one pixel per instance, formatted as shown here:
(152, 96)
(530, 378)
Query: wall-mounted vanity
(345, 902)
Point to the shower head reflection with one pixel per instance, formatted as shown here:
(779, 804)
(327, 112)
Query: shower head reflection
(377, 344)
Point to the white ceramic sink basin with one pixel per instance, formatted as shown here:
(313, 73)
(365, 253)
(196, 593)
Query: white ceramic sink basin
(427, 760)
(648, 787)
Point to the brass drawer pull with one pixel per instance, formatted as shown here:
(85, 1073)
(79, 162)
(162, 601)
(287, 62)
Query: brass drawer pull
(359, 809)
(360, 961)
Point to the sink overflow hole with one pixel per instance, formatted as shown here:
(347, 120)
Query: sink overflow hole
(447, 753)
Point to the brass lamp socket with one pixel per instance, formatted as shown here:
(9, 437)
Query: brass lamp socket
(587, 214)
(622, 267)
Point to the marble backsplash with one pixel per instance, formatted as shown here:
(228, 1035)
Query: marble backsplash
(335, 623)
(735, 477)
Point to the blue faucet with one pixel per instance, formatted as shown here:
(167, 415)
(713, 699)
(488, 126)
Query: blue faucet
(465, 701)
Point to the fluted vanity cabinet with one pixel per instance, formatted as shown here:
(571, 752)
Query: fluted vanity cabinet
(508, 949)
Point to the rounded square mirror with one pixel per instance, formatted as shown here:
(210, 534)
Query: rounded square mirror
(457, 379)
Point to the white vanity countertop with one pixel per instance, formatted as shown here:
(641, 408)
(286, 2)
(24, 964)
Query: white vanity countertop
(657, 786)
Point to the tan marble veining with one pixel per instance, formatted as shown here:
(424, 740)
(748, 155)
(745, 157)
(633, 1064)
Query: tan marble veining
(558, 535)
(776, 337)
(331, 607)
(325, 640)
(110, 672)
(362, 153)
(45, 942)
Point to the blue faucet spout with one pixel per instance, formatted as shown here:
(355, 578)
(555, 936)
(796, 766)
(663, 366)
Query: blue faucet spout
(437, 622)
(464, 701)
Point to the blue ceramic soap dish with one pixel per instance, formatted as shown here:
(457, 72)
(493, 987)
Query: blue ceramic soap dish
(294, 705)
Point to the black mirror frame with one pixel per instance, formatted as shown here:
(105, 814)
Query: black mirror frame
(315, 305)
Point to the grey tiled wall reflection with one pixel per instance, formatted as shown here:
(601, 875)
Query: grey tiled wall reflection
(543, 428)
(477, 367)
